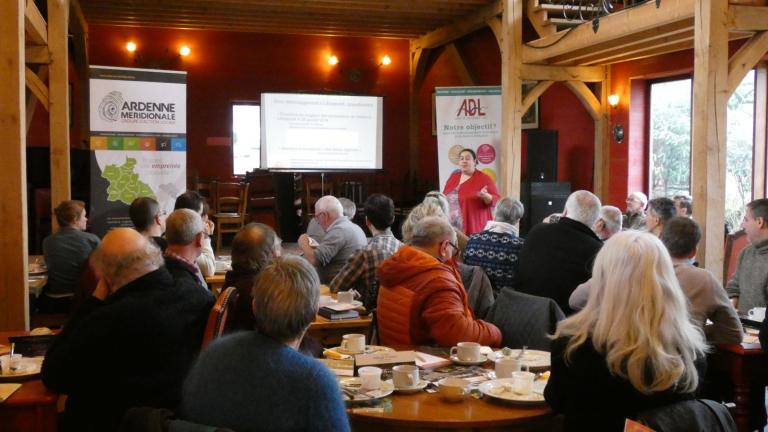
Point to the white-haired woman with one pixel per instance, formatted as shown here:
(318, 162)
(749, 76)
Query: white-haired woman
(633, 346)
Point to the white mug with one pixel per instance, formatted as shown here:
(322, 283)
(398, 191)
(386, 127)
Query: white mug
(370, 377)
(405, 376)
(466, 351)
(506, 366)
(756, 314)
(453, 389)
(353, 343)
(522, 382)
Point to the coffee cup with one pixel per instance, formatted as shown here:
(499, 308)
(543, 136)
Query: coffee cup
(466, 351)
(756, 314)
(346, 296)
(453, 389)
(405, 376)
(5, 364)
(353, 343)
(506, 366)
(370, 377)
(522, 382)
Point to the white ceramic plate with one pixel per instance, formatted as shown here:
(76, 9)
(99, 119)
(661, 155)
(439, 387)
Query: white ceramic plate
(468, 363)
(30, 367)
(368, 350)
(353, 384)
(417, 388)
(497, 390)
(531, 358)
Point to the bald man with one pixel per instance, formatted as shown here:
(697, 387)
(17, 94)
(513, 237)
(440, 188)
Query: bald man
(130, 344)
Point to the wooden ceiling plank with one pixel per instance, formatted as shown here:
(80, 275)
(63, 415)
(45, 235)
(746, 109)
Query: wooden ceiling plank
(615, 26)
(562, 73)
(34, 24)
(750, 18)
(629, 49)
(453, 31)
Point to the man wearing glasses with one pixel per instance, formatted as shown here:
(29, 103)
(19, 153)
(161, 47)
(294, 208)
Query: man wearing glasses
(422, 300)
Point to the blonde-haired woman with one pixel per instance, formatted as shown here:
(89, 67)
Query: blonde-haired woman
(632, 347)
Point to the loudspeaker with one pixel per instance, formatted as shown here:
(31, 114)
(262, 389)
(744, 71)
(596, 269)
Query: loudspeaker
(542, 155)
(541, 200)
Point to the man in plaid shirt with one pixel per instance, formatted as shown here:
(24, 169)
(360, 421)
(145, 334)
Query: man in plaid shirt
(360, 271)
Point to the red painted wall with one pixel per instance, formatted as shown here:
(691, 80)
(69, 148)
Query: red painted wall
(226, 66)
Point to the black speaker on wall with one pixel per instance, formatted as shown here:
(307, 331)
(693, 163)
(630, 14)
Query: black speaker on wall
(542, 155)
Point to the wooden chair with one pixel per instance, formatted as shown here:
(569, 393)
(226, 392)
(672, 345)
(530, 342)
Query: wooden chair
(734, 244)
(314, 190)
(218, 317)
(231, 208)
(207, 189)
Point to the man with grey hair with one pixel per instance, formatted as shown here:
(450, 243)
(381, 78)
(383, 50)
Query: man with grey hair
(496, 248)
(634, 218)
(341, 241)
(422, 300)
(557, 257)
(609, 222)
(129, 344)
(286, 390)
(184, 233)
(348, 209)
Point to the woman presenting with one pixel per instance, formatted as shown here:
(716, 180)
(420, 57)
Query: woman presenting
(471, 195)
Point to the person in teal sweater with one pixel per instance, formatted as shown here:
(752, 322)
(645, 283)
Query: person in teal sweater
(258, 381)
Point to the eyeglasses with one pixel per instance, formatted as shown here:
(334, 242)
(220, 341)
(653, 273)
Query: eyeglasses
(456, 248)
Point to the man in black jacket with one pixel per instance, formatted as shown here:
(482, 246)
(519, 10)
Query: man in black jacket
(129, 344)
(557, 257)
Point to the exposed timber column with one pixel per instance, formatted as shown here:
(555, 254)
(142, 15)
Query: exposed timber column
(511, 98)
(418, 62)
(58, 87)
(13, 194)
(708, 149)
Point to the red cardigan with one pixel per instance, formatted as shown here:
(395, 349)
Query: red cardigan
(474, 211)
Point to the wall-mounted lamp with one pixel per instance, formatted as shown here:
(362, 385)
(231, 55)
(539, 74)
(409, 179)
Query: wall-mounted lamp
(184, 51)
(333, 60)
(613, 100)
(130, 47)
(385, 61)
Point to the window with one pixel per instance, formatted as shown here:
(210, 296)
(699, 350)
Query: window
(670, 143)
(246, 138)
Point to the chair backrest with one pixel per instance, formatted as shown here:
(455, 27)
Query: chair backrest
(690, 415)
(218, 317)
(524, 319)
(734, 244)
(232, 197)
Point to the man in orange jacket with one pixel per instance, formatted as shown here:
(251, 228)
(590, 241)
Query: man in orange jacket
(422, 300)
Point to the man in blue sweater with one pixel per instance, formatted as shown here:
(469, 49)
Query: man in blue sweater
(258, 381)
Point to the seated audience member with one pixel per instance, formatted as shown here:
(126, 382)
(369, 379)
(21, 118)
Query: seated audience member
(149, 220)
(314, 230)
(659, 211)
(421, 298)
(557, 257)
(634, 218)
(439, 198)
(192, 200)
(128, 344)
(257, 381)
(66, 253)
(683, 205)
(496, 248)
(748, 288)
(633, 347)
(706, 296)
(608, 223)
(360, 271)
(431, 206)
(254, 247)
(342, 239)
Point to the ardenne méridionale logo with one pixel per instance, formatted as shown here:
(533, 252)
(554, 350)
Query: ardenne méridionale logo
(114, 108)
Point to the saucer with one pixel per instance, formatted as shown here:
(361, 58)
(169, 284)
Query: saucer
(353, 393)
(417, 388)
(477, 362)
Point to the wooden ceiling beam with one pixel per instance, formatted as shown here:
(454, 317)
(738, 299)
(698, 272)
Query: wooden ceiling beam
(562, 73)
(34, 24)
(534, 94)
(745, 59)
(37, 54)
(749, 18)
(587, 98)
(617, 26)
(464, 26)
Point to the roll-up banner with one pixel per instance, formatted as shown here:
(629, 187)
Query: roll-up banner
(468, 117)
(138, 140)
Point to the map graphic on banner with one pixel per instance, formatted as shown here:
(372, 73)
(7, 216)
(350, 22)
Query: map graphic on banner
(468, 117)
(138, 138)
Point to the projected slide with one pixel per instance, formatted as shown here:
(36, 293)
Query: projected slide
(321, 132)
